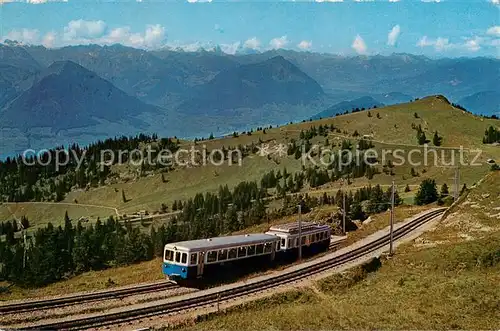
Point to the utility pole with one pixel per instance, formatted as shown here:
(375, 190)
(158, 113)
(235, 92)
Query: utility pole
(343, 206)
(391, 248)
(300, 231)
(456, 181)
(343, 212)
(23, 232)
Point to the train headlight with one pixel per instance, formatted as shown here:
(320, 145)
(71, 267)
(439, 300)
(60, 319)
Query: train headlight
(183, 269)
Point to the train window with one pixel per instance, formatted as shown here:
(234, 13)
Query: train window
(178, 257)
(296, 242)
(242, 251)
(278, 246)
(194, 258)
(232, 253)
(283, 241)
(212, 256)
(251, 250)
(184, 258)
(289, 243)
(169, 255)
(268, 247)
(259, 249)
(303, 240)
(317, 237)
(222, 254)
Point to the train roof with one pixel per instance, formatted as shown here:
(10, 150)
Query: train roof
(221, 242)
(294, 227)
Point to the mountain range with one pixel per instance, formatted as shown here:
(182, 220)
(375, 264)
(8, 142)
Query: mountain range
(102, 91)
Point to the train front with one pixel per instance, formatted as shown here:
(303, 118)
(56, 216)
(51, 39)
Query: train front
(174, 264)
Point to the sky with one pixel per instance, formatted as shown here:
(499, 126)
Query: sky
(435, 28)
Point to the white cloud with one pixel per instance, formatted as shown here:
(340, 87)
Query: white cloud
(230, 48)
(393, 35)
(359, 45)
(495, 2)
(252, 43)
(278, 42)
(49, 39)
(439, 44)
(494, 31)
(473, 44)
(154, 36)
(495, 43)
(80, 29)
(393, 0)
(24, 36)
(304, 44)
(86, 32)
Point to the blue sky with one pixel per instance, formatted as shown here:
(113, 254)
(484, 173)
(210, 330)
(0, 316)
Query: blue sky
(436, 29)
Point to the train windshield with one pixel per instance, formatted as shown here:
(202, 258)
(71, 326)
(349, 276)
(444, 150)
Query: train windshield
(169, 255)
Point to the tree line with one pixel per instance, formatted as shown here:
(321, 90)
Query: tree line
(43, 179)
(491, 135)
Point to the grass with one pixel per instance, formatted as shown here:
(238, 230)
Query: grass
(94, 280)
(39, 214)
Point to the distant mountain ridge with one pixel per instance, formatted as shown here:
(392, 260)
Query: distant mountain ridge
(66, 95)
(485, 102)
(341, 107)
(273, 81)
(194, 93)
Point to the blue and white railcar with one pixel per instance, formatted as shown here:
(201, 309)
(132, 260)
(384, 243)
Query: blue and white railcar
(192, 259)
(315, 237)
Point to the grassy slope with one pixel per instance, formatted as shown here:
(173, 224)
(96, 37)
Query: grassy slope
(457, 127)
(43, 213)
(394, 127)
(445, 280)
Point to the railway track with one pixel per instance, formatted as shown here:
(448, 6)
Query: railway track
(76, 299)
(212, 297)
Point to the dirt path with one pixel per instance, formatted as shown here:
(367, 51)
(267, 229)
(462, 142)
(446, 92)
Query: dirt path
(58, 204)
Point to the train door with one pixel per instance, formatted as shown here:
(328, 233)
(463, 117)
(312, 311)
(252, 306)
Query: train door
(274, 247)
(201, 264)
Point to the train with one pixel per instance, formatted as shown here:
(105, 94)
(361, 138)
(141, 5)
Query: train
(197, 259)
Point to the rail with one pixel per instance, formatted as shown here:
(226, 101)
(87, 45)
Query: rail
(239, 291)
(74, 299)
